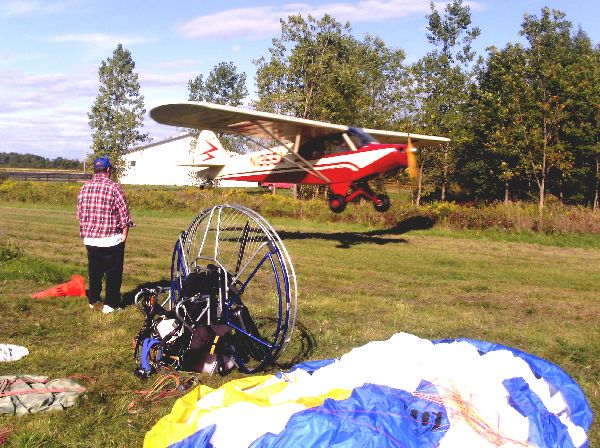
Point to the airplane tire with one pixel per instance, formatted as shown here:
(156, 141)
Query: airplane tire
(385, 203)
(337, 203)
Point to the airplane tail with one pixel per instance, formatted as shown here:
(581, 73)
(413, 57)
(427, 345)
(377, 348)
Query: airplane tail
(208, 151)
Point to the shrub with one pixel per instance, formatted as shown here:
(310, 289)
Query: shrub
(515, 216)
(9, 251)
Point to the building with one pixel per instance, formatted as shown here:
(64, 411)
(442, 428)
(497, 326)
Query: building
(163, 163)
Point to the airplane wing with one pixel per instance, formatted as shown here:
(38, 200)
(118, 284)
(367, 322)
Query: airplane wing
(253, 123)
(236, 120)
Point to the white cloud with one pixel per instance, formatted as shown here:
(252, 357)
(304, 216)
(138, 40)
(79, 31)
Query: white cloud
(21, 92)
(59, 133)
(174, 80)
(178, 63)
(234, 22)
(47, 114)
(98, 39)
(28, 7)
(264, 21)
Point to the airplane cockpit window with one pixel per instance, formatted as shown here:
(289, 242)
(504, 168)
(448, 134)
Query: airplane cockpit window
(336, 144)
(360, 138)
(323, 146)
(312, 149)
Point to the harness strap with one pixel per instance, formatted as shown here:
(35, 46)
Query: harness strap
(146, 346)
(214, 345)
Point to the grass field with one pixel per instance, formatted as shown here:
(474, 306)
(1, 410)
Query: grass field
(356, 284)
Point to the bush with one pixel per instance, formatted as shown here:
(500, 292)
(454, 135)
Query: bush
(515, 216)
(9, 251)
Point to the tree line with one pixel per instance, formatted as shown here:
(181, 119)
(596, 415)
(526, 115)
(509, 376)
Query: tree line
(16, 160)
(524, 120)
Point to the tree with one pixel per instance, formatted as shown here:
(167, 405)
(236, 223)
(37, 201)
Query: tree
(547, 60)
(16, 160)
(500, 106)
(223, 85)
(581, 130)
(537, 111)
(318, 70)
(440, 87)
(118, 111)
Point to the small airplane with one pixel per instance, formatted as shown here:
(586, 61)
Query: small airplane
(309, 152)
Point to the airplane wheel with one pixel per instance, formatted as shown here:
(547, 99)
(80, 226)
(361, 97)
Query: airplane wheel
(385, 203)
(337, 203)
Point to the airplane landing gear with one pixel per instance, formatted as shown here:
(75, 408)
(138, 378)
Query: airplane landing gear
(384, 203)
(338, 199)
(337, 203)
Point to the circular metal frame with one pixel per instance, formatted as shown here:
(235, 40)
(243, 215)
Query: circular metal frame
(258, 294)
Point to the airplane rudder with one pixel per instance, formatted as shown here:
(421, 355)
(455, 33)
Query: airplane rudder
(209, 138)
(209, 149)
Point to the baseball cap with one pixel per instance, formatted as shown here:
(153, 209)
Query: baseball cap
(101, 163)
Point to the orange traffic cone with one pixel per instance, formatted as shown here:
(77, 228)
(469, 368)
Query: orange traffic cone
(74, 287)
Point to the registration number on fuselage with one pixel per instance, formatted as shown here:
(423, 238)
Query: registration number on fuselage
(266, 159)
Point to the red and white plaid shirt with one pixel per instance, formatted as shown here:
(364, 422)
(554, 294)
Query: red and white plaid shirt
(102, 208)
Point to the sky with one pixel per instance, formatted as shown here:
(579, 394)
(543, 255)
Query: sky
(50, 50)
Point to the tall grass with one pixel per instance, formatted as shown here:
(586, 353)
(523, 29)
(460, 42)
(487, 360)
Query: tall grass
(516, 216)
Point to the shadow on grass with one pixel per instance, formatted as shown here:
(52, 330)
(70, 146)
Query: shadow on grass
(299, 351)
(348, 239)
(413, 223)
(128, 297)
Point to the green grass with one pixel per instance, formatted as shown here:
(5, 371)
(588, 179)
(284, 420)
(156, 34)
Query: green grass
(357, 283)
(514, 217)
(590, 241)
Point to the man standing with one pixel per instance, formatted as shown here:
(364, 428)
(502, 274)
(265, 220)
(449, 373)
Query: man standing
(104, 222)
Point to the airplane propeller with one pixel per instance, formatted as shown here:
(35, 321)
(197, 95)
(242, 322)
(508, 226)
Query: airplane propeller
(411, 159)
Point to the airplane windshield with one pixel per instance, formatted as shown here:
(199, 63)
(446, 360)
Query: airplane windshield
(360, 137)
(334, 144)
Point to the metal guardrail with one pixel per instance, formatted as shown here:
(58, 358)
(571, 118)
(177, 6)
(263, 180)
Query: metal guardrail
(47, 176)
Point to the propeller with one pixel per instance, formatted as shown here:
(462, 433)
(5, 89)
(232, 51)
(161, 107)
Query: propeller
(411, 160)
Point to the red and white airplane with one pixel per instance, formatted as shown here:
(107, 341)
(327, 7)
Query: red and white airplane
(308, 152)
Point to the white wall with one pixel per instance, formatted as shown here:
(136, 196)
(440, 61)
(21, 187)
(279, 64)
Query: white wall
(157, 164)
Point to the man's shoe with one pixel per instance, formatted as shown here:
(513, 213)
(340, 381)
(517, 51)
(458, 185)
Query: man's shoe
(91, 305)
(107, 309)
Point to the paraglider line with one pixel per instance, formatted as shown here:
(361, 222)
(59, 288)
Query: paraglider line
(462, 409)
(367, 425)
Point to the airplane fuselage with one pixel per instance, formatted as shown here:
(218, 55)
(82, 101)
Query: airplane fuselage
(341, 168)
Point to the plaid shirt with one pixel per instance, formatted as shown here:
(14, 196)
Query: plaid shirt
(102, 208)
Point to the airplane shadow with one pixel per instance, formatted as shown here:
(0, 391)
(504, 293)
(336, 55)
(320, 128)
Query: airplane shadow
(348, 239)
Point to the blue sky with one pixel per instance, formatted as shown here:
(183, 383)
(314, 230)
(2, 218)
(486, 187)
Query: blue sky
(50, 50)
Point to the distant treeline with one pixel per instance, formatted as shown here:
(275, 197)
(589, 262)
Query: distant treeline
(16, 160)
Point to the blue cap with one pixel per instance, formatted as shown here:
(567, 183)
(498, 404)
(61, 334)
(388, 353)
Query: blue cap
(101, 163)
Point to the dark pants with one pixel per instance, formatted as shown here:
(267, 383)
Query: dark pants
(109, 261)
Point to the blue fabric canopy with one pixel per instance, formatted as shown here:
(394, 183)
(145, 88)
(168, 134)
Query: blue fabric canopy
(381, 416)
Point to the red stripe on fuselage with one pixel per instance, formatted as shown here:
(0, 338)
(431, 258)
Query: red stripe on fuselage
(346, 169)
